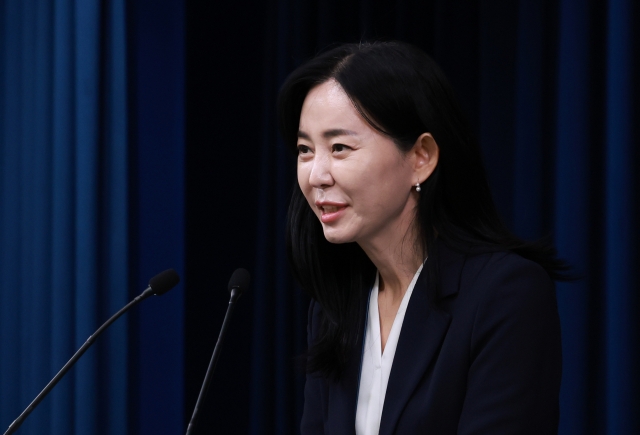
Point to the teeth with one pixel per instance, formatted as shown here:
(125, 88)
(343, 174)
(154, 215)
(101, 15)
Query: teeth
(330, 208)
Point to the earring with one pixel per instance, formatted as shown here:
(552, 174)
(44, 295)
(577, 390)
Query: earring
(418, 187)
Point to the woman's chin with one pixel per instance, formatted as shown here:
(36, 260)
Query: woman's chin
(336, 237)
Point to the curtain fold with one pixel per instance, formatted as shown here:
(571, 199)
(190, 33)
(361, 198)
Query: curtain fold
(63, 202)
(621, 323)
(572, 217)
(62, 221)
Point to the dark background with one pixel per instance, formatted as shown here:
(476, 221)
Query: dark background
(224, 103)
(509, 63)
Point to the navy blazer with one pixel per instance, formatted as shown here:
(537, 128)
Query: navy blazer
(484, 359)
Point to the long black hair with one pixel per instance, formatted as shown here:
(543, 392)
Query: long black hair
(401, 92)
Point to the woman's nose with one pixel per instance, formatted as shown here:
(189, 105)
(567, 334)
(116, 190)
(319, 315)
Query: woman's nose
(320, 176)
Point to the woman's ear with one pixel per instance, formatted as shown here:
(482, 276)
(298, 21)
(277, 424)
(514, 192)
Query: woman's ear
(424, 155)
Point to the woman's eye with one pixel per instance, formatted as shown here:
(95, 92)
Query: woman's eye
(303, 149)
(338, 147)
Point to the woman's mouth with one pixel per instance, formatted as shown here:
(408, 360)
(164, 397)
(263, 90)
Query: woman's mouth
(331, 212)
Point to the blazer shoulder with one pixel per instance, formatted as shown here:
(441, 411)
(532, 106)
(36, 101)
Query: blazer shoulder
(504, 271)
(505, 284)
(514, 294)
(514, 349)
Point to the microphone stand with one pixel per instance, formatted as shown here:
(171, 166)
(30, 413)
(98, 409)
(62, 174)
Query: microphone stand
(235, 294)
(18, 421)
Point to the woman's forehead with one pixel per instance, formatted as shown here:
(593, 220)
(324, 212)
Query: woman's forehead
(328, 110)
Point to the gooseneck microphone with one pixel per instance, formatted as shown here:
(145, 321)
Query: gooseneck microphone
(237, 284)
(158, 285)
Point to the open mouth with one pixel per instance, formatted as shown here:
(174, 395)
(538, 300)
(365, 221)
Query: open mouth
(331, 208)
(331, 212)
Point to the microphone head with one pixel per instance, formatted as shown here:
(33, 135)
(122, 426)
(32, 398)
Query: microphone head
(239, 281)
(164, 281)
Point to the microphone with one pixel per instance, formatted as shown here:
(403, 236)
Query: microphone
(158, 285)
(237, 285)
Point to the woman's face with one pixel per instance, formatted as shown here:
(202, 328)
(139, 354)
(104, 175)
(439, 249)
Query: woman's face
(356, 180)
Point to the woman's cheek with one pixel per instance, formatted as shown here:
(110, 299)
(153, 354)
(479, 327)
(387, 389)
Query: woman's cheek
(303, 177)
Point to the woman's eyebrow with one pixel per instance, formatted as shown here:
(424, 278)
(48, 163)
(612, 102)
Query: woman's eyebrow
(338, 132)
(329, 133)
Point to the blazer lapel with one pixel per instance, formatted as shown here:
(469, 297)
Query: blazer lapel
(423, 331)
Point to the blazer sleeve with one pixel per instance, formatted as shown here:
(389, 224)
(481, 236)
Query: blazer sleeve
(312, 415)
(515, 353)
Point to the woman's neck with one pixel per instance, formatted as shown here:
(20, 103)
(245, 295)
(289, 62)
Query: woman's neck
(397, 262)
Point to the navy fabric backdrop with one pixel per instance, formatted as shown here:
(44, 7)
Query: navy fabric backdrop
(91, 207)
(64, 220)
(143, 137)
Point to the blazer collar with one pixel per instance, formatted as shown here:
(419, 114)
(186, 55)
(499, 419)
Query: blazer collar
(423, 331)
(450, 265)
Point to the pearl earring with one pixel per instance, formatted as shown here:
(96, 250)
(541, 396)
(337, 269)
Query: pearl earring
(418, 187)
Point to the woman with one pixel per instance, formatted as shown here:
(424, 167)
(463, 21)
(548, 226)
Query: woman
(427, 314)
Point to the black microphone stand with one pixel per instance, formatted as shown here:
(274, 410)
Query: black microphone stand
(235, 294)
(162, 282)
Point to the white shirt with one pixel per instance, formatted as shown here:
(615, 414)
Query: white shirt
(376, 366)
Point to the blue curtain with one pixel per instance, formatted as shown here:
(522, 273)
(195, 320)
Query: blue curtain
(596, 204)
(90, 144)
(64, 214)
